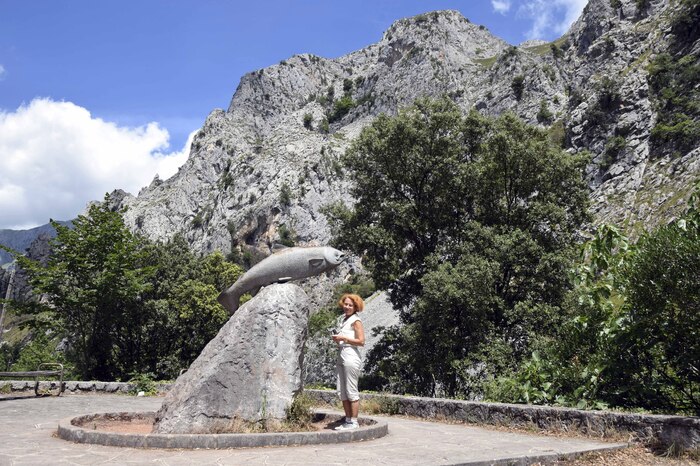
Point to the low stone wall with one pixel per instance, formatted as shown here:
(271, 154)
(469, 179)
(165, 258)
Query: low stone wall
(75, 387)
(668, 432)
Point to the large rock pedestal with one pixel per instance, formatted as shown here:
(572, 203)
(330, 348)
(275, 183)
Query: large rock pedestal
(250, 370)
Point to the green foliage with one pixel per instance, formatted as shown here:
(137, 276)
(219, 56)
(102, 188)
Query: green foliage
(642, 6)
(518, 86)
(469, 223)
(672, 81)
(125, 305)
(556, 50)
(285, 195)
(381, 405)
(544, 115)
(308, 121)
(40, 349)
(323, 320)
(660, 343)
(616, 4)
(613, 148)
(287, 237)
(602, 110)
(341, 107)
(94, 282)
(684, 24)
(324, 126)
(143, 383)
(300, 411)
(631, 337)
(557, 133)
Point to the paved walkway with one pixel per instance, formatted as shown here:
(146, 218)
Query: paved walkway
(27, 426)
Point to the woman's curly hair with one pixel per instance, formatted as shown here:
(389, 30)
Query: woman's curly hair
(356, 300)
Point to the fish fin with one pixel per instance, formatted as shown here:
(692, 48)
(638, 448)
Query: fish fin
(315, 263)
(284, 279)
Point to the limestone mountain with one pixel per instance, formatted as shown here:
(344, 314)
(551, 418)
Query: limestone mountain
(260, 171)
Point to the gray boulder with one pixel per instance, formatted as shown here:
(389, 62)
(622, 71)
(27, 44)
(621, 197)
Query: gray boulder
(249, 371)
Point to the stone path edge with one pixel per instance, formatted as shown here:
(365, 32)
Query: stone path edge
(73, 433)
(681, 432)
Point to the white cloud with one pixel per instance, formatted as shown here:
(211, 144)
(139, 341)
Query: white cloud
(501, 6)
(550, 16)
(3, 72)
(55, 158)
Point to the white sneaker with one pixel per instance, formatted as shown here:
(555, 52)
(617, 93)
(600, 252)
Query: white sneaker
(347, 426)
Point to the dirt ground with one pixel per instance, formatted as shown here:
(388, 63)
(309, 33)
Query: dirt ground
(633, 456)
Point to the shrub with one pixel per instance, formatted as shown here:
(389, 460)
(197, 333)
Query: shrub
(518, 85)
(143, 383)
(544, 115)
(300, 412)
(324, 126)
(287, 236)
(556, 50)
(341, 108)
(613, 147)
(285, 195)
(308, 121)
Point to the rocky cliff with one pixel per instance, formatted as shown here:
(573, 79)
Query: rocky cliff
(260, 171)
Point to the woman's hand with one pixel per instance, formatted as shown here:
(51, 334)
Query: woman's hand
(339, 338)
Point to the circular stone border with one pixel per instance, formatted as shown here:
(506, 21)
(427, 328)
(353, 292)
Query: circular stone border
(73, 429)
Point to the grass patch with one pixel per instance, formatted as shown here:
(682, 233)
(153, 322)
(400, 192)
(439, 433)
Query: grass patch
(486, 62)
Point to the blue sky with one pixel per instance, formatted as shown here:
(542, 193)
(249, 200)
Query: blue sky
(142, 75)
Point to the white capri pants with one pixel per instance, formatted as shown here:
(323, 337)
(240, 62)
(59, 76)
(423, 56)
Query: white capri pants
(348, 375)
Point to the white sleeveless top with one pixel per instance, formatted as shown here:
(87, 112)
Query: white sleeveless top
(348, 352)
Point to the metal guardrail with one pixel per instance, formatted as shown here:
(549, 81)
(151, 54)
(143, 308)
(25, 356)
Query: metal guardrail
(45, 369)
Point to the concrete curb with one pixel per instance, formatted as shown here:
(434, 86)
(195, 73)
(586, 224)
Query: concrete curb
(72, 429)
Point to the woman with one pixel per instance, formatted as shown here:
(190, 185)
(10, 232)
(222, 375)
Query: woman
(349, 335)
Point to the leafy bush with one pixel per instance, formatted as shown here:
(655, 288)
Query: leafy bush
(631, 337)
(672, 81)
(143, 383)
(300, 411)
(544, 115)
(308, 121)
(286, 236)
(518, 86)
(341, 108)
(285, 195)
(556, 50)
(612, 151)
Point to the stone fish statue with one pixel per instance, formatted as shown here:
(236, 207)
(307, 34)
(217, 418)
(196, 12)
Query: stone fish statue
(283, 266)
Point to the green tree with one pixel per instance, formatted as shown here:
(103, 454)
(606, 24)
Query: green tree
(631, 336)
(93, 284)
(657, 364)
(124, 305)
(469, 222)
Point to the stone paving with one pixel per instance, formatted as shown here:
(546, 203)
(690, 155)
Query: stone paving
(28, 426)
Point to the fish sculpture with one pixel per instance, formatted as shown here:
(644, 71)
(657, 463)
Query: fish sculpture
(283, 266)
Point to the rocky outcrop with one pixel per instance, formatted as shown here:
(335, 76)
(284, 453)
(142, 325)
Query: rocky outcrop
(261, 171)
(250, 371)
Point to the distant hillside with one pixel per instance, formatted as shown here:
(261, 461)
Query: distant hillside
(19, 240)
